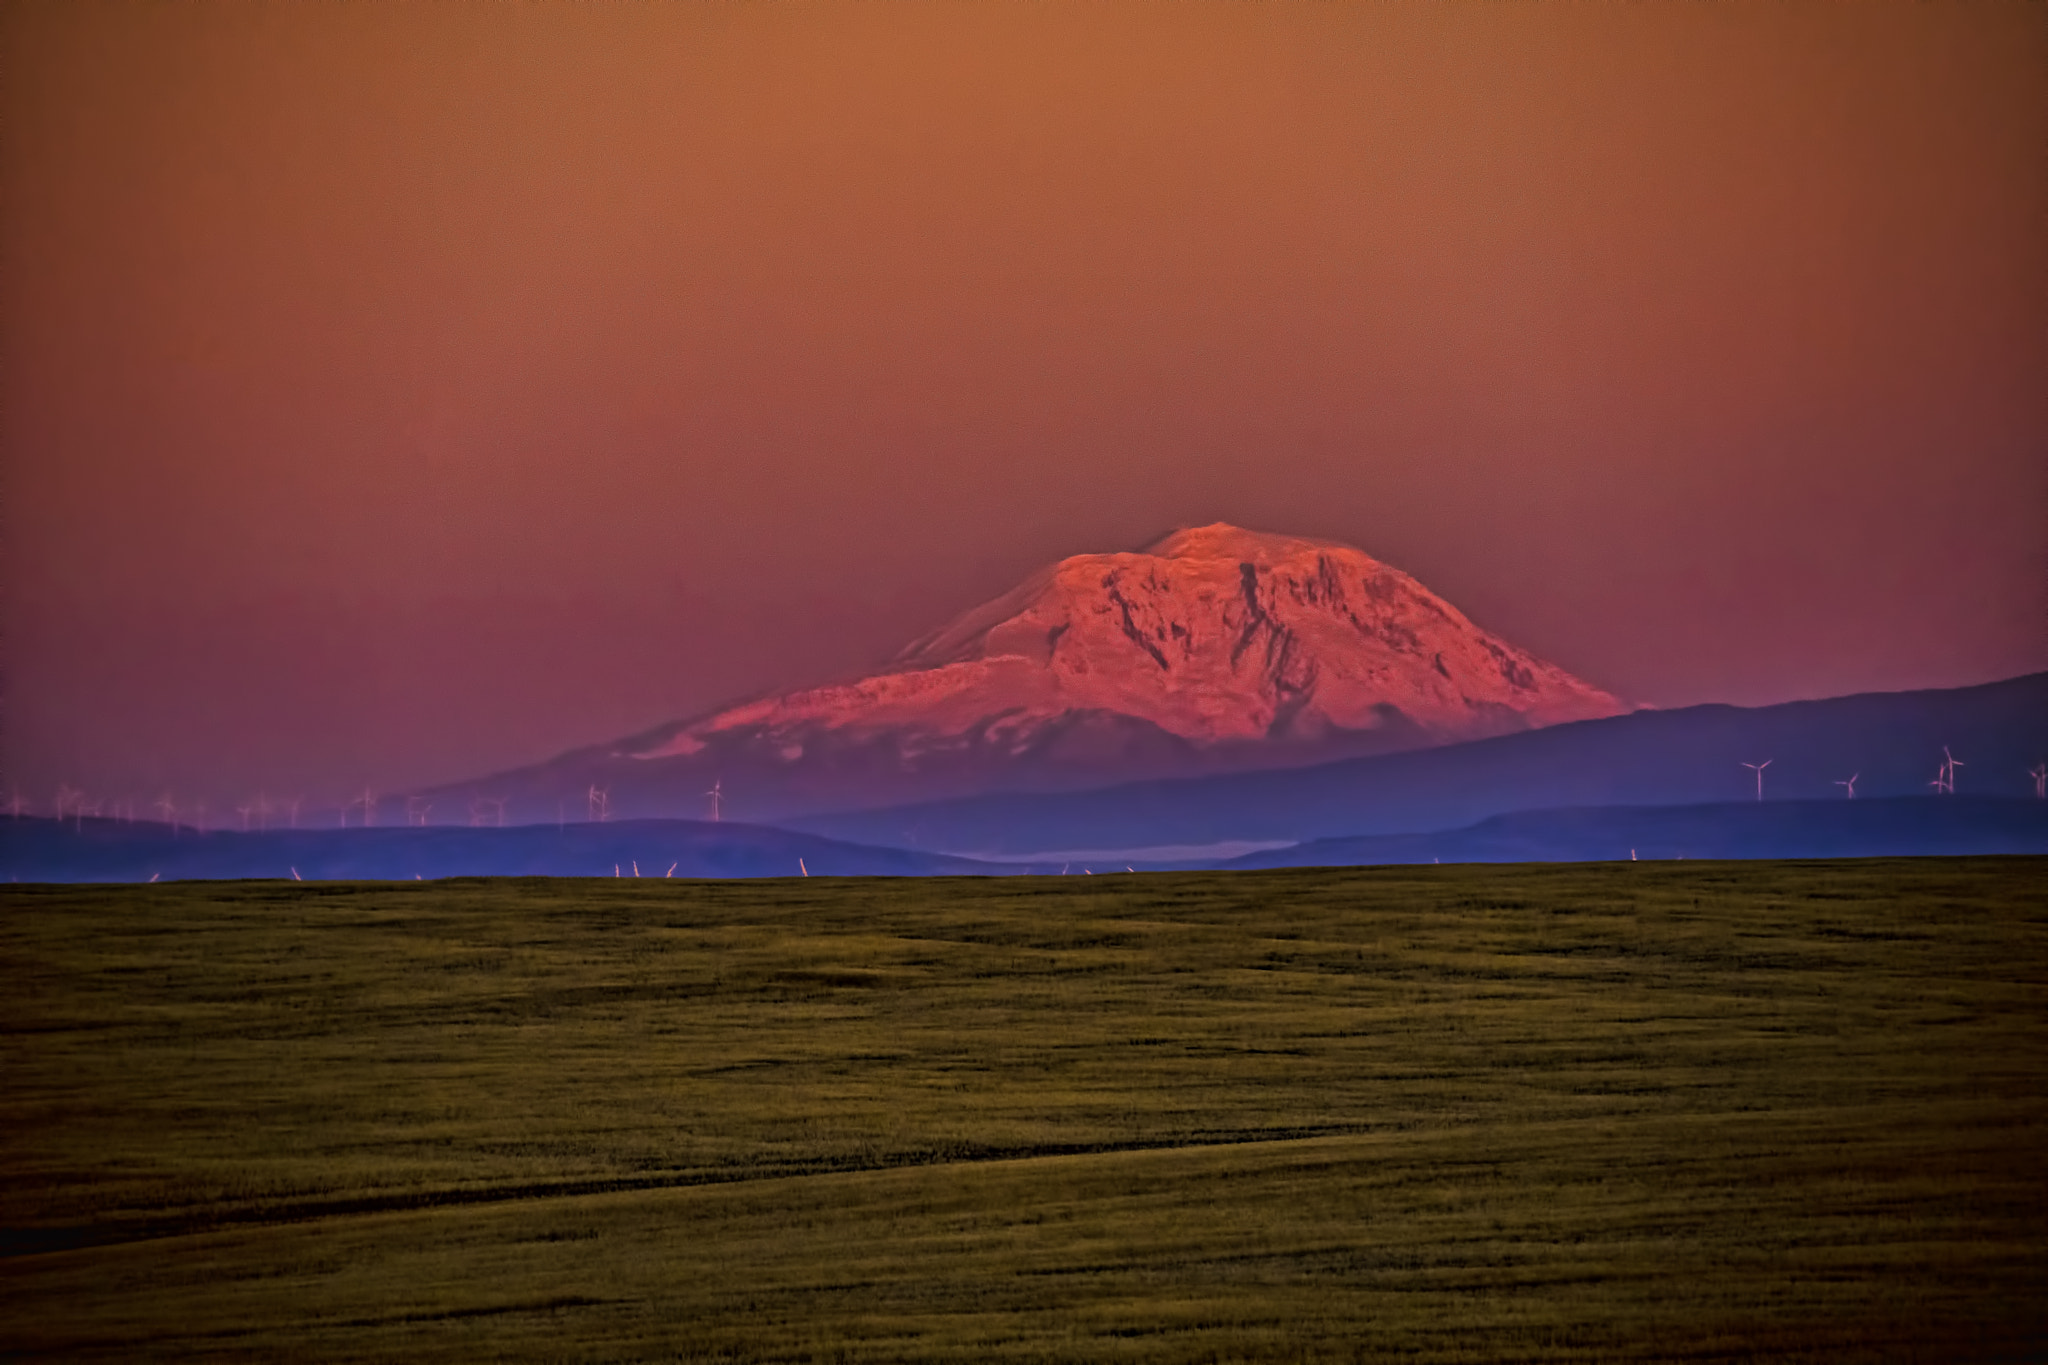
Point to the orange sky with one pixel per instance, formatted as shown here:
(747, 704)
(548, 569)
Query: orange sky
(396, 392)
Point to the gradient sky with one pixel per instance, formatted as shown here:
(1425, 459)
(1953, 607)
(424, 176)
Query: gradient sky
(393, 393)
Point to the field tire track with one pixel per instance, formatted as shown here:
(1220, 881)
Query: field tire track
(31, 1241)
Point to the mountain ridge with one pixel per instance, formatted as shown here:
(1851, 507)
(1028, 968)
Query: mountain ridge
(1891, 740)
(1887, 827)
(1211, 649)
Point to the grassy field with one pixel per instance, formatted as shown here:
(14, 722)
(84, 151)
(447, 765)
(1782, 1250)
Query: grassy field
(1679, 1111)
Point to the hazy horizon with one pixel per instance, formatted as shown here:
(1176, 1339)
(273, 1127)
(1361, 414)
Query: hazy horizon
(397, 395)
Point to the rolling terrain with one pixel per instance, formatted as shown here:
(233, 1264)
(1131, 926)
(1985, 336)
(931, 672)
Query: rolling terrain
(113, 851)
(1691, 756)
(1894, 827)
(1739, 1112)
(118, 851)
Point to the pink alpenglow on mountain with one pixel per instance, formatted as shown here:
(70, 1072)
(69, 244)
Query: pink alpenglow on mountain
(1214, 648)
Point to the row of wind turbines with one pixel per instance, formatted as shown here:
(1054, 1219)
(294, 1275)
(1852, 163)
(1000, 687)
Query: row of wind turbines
(1944, 782)
(489, 811)
(598, 803)
(484, 811)
(73, 804)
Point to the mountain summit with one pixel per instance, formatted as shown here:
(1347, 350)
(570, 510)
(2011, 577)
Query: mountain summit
(1214, 648)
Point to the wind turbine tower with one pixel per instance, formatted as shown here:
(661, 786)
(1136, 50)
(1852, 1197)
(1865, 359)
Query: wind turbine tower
(1758, 769)
(2039, 772)
(717, 795)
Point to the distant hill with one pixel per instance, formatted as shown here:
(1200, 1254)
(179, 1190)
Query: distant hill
(43, 850)
(1213, 649)
(1691, 756)
(112, 850)
(1909, 826)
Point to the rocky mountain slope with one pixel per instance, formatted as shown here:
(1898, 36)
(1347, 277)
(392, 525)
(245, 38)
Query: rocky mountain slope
(1214, 649)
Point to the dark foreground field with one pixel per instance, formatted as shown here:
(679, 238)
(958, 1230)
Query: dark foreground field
(1678, 1111)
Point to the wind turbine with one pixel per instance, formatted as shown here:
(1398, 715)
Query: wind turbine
(600, 802)
(68, 795)
(416, 810)
(243, 811)
(1758, 768)
(1953, 763)
(1850, 784)
(2039, 772)
(717, 795)
(292, 807)
(369, 803)
(169, 810)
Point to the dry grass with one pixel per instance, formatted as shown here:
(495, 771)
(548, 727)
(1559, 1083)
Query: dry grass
(1698, 1111)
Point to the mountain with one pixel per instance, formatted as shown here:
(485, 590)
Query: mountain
(95, 850)
(1891, 740)
(1903, 826)
(1214, 649)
